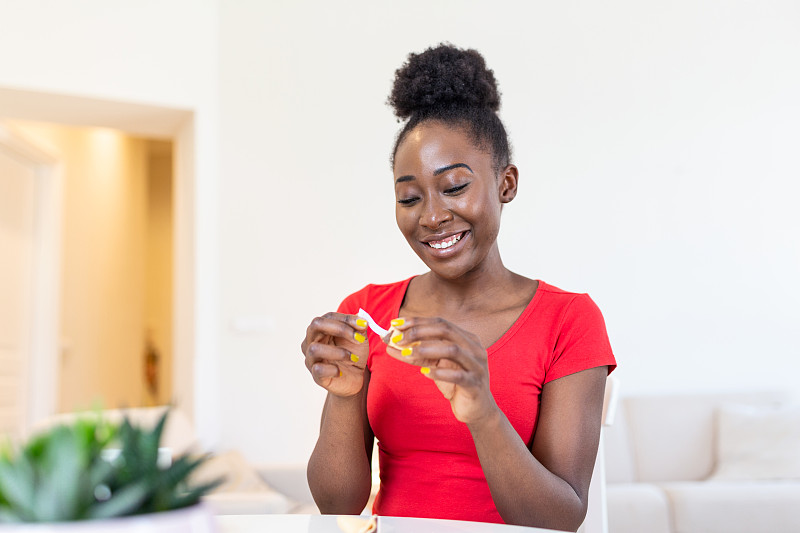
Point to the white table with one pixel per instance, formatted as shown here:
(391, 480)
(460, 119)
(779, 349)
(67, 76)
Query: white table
(296, 523)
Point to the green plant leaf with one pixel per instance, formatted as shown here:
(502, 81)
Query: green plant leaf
(100, 472)
(124, 502)
(65, 462)
(56, 474)
(193, 496)
(18, 484)
(8, 516)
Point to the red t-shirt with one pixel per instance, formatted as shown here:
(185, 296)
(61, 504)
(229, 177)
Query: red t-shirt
(428, 464)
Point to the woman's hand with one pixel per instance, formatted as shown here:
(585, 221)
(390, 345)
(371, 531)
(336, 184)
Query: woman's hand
(336, 350)
(452, 357)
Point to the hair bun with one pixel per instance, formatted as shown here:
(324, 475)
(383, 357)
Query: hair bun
(443, 77)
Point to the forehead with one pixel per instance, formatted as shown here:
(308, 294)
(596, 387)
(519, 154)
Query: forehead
(432, 145)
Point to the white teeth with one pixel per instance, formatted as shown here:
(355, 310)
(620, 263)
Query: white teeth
(446, 244)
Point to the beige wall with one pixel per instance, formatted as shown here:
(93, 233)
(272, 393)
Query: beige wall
(159, 263)
(116, 263)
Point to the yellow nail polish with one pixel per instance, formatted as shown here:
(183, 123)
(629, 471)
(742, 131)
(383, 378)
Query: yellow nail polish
(398, 322)
(359, 338)
(406, 352)
(340, 373)
(361, 323)
(354, 358)
(425, 370)
(397, 338)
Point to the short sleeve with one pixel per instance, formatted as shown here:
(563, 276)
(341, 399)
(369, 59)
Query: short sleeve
(351, 304)
(582, 340)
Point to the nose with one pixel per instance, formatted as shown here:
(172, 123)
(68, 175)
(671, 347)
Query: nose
(434, 213)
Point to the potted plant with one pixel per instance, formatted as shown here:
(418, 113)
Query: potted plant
(92, 475)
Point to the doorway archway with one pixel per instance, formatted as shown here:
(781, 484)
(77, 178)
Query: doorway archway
(176, 125)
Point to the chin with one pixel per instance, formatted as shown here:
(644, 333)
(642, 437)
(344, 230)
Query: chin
(450, 272)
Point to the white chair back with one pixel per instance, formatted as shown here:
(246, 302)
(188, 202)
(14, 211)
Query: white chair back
(596, 520)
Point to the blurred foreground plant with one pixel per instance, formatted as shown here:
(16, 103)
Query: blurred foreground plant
(62, 474)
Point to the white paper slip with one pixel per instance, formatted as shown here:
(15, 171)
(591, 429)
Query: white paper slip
(379, 331)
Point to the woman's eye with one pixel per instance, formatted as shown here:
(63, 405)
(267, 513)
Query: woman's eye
(457, 188)
(406, 201)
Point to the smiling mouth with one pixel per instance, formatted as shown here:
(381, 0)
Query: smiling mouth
(447, 242)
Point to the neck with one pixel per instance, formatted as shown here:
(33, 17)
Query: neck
(474, 288)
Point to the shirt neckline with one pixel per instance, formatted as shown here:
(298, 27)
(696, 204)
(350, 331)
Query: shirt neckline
(521, 319)
(496, 345)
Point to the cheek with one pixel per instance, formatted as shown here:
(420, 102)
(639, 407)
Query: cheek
(485, 218)
(404, 219)
(490, 228)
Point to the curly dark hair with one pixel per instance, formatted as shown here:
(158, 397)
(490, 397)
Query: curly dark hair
(452, 86)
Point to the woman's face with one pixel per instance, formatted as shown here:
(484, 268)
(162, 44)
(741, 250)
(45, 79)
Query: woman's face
(449, 198)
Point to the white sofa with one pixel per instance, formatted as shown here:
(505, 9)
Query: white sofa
(704, 463)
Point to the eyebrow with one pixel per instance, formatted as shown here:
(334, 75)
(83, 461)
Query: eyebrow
(451, 167)
(436, 172)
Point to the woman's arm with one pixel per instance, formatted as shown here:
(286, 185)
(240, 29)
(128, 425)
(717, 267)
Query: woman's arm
(548, 485)
(336, 352)
(339, 470)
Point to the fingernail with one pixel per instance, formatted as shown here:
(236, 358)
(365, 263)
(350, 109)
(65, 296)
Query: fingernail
(398, 322)
(340, 373)
(425, 370)
(397, 338)
(359, 338)
(354, 358)
(406, 352)
(361, 323)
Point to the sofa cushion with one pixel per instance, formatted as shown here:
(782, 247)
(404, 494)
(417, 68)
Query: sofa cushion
(290, 479)
(636, 508)
(673, 436)
(757, 443)
(735, 507)
(243, 491)
(620, 467)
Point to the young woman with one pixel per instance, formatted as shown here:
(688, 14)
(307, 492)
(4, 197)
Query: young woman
(486, 405)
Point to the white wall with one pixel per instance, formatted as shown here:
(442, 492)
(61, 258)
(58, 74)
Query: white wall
(657, 145)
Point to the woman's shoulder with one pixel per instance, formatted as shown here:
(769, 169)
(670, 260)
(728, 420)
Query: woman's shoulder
(557, 292)
(578, 329)
(546, 287)
(563, 301)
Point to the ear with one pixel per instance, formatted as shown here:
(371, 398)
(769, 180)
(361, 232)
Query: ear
(509, 177)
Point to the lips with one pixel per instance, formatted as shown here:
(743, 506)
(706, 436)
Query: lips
(442, 243)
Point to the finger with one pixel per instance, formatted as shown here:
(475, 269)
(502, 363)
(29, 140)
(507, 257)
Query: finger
(406, 323)
(318, 352)
(330, 353)
(423, 353)
(321, 371)
(416, 329)
(337, 325)
(358, 361)
(456, 376)
(468, 356)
